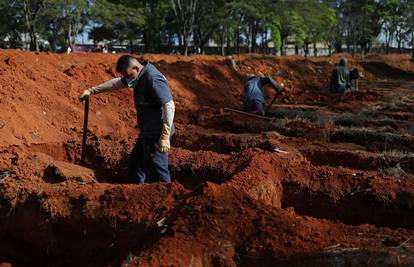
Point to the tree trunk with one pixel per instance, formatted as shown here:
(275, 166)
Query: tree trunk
(236, 36)
(399, 46)
(412, 45)
(228, 52)
(253, 37)
(222, 44)
(296, 50)
(306, 46)
(315, 49)
(69, 39)
(185, 44)
(131, 44)
(354, 46)
(330, 50)
(362, 51)
(338, 46)
(248, 41)
(34, 44)
(30, 18)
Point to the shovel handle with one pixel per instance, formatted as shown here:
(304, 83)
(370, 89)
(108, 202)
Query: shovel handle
(271, 103)
(85, 129)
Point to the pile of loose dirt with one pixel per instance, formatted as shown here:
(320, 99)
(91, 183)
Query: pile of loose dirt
(327, 181)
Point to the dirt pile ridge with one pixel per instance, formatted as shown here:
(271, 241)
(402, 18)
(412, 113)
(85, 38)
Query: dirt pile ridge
(328, 181)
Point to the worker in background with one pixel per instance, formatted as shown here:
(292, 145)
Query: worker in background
(342, 79)
(254, 93)
(154, 103)
(354, 76)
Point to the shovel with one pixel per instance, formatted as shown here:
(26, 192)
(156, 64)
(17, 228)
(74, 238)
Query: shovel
(85, 129)
(271, 103)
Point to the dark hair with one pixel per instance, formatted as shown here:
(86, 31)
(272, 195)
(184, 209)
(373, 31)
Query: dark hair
(124, 62)
(343, 62)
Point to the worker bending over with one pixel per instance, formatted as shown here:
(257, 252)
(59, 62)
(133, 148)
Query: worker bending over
(254, 93)
(148, 160)
(342, 79)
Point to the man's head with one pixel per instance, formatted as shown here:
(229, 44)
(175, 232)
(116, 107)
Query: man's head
(128, 66)
(343, 62)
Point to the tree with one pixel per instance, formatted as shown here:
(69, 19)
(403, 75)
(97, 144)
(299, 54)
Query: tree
(391, 20)
(11, 25)
(210, 16)
(328, 30)
(73, 17)
(409, 22)
(33, 10)
(65, 20)
(363, 23)
(232, 20)
(289, 24)
(117, 21)
(185, 11)
(155, 13)
(320, 21)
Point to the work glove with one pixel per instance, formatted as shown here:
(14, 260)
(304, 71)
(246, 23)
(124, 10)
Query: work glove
(85, 94)
(164, 144)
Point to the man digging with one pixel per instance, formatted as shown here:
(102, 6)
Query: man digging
(148, 161)
(254, 93)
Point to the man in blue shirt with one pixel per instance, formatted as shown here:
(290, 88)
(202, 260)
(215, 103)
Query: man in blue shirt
(153, 100)
(254, 93)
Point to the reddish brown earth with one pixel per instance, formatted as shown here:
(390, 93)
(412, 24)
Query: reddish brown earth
(343, 195)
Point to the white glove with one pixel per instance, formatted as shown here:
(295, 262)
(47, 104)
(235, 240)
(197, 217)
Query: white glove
(85, 94)
(164, 144)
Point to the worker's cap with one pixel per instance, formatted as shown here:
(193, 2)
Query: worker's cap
(124, 62)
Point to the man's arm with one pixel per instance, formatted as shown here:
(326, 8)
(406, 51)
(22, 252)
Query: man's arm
(163, 94)
(168, 111)
(269, 80)
(107, 86)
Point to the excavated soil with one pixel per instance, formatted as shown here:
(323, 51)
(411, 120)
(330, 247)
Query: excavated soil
(327, 180)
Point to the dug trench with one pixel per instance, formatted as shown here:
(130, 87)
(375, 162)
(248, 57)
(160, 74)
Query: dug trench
(62, 216)
(59, 226)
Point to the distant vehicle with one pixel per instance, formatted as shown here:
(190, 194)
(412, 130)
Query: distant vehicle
(80, 49)
(114, 49)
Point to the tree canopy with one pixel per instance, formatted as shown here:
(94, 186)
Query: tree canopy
(233, 25)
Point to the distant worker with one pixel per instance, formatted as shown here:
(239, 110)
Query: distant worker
(342, 79)
(155, 108)
(254, 93)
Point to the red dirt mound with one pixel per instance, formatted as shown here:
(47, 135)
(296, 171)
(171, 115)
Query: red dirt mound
(325, 180)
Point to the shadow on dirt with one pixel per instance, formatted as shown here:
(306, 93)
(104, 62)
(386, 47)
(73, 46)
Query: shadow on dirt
(340, 256)
(384, 71)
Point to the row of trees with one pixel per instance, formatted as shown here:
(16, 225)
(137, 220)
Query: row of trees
(57, 21)
(233, 24)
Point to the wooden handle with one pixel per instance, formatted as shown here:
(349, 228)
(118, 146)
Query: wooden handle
(85, 129)
(248, 114)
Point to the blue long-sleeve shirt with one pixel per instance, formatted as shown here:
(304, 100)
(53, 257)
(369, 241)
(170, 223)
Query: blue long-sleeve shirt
(254, 94)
